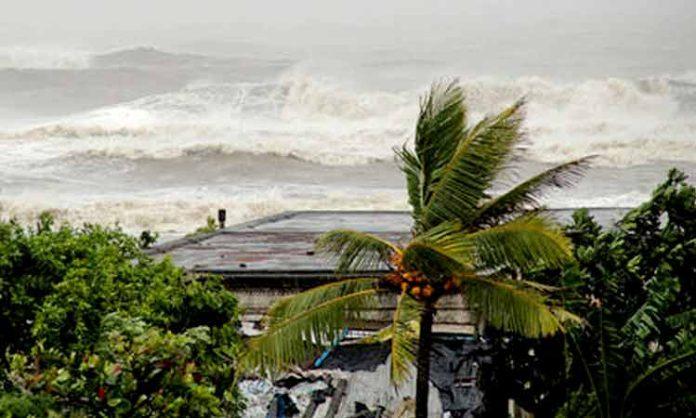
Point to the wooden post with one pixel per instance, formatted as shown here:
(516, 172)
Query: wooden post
(337, 398)
(222, 215)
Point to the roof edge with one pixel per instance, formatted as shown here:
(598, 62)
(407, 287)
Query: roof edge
(196, 238)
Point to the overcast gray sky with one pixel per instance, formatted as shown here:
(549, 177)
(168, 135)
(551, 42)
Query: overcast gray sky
(280, 21)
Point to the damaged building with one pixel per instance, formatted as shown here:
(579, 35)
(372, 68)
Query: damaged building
(269, 258)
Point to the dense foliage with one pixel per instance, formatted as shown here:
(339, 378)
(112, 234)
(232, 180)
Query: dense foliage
(635, 287)
(93, 327)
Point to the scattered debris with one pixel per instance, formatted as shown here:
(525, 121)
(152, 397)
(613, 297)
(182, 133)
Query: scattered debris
(362, 411)
(353, 381)
(282, 406)
(405, 409)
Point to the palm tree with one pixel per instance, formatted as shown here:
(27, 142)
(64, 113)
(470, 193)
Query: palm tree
(463, 242)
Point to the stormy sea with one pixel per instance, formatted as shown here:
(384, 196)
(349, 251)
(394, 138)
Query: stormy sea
(159, 139)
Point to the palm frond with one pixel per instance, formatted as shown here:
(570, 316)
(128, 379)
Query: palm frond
(413, 170)
(442, 248)
(511, 306)
(299, 324)
(402, 335)
(528, 241)
(440, 128)
(526, 195)
(355, 250)
(478, 159)
(404, 341)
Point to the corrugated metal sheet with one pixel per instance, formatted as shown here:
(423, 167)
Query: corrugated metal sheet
(283, 245)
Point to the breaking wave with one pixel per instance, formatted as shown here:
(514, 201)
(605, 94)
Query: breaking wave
(178, 212)
(625, 122)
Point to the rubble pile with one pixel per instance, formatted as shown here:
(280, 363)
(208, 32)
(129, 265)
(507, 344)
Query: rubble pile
(354, 382)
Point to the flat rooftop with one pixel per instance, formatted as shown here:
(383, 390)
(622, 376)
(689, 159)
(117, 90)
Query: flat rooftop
(282, 246)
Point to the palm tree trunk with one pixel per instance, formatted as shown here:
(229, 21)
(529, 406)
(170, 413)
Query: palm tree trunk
(423, 360)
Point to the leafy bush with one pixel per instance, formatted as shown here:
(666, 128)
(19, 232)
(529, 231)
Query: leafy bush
(211, 225)
(95, 327)
(635, 287)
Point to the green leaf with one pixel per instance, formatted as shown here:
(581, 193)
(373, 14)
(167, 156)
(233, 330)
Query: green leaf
(402, 335)
(526, 195)
(113, 402)
(512, 306)
(673, 363)
(478, 159)
(404, 338)
(301, 323)
(413, 170)
(442, 250)
(526, 242)
(355, 250)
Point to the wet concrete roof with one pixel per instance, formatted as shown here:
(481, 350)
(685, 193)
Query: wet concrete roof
(282, 246)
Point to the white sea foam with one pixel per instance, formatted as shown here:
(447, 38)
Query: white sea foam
(175, 212)
(294, 117)
(625, 122)
(629, 199)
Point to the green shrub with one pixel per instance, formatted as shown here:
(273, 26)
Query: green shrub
(211, 225)
(26, 405)
(97, 328)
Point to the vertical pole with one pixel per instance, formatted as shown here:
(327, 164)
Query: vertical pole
(222, 215)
